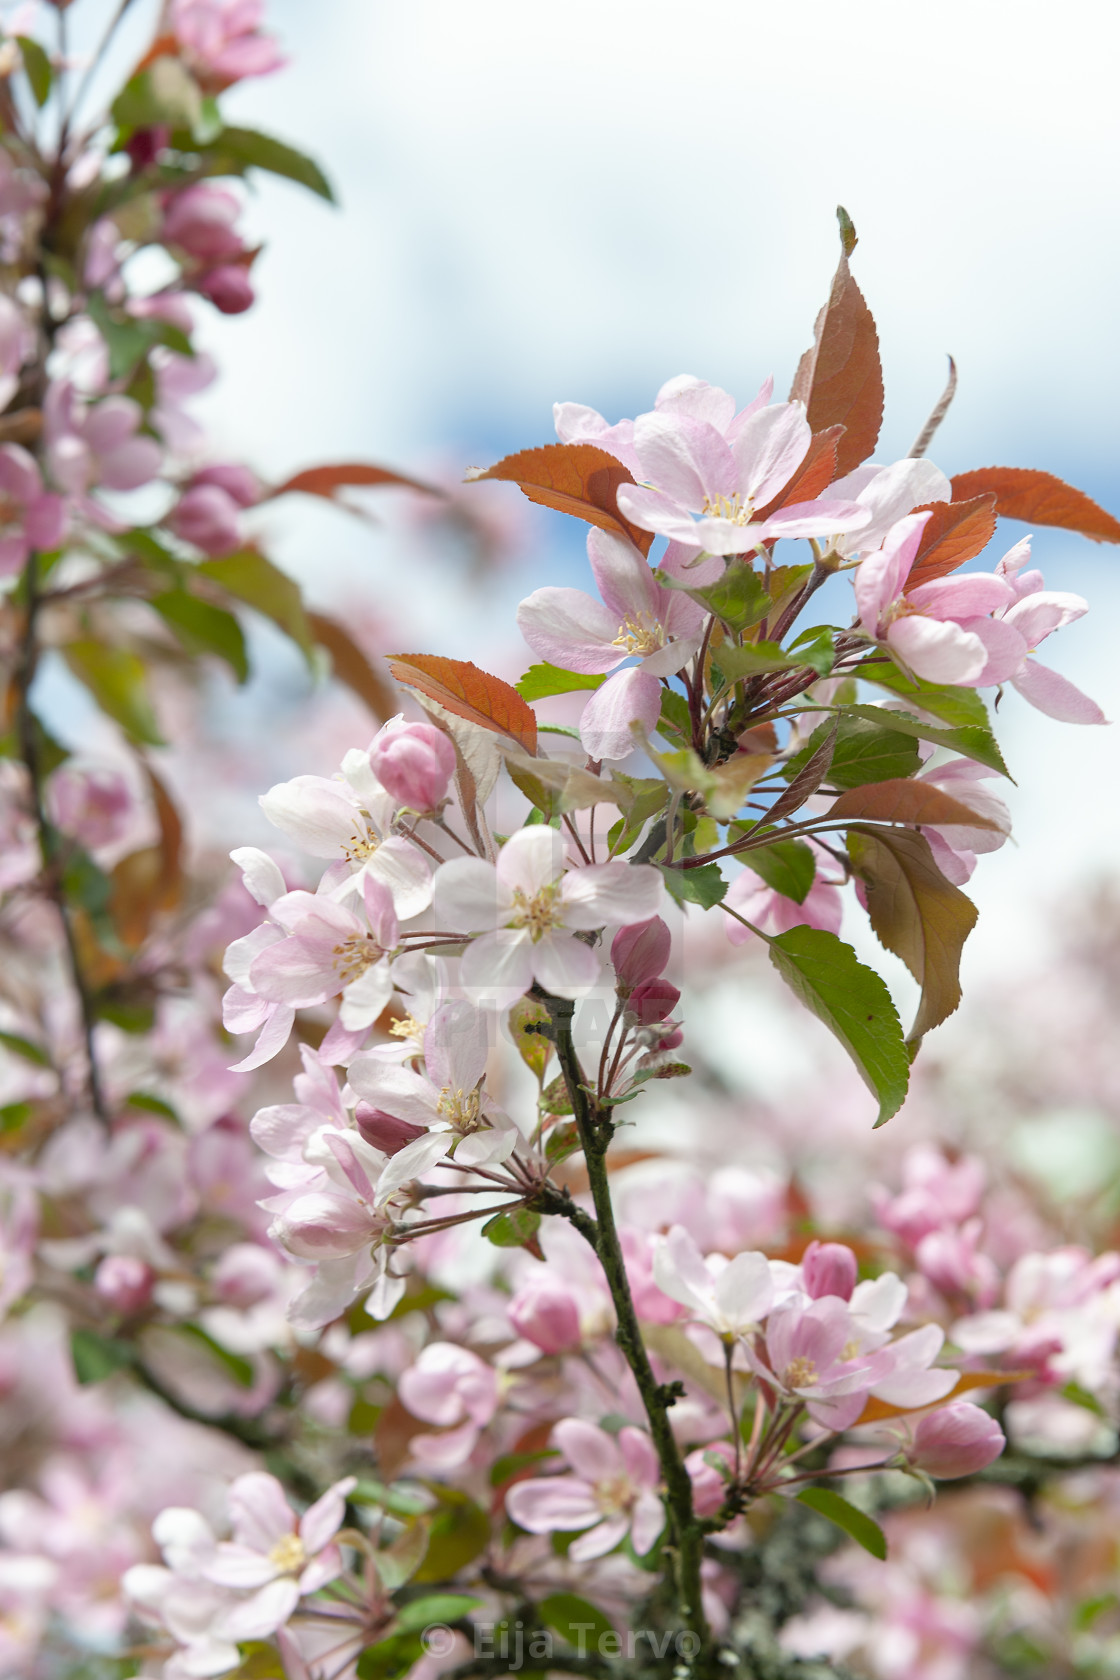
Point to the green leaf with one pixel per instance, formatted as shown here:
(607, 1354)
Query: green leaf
(165, 93)
(129, 340)
(129, 1017)
(738, 597)
(675, 715)
(37, 67)
(868, 749)
(752, 659)
(638, 798)
(437, 1607)
(390, 1658)
(149, 1104)
(971, 741)
(855, 1523)
(816, 648)
(240, 1369)
(458, 1532)
(540, 681)
(14, 1116)
(204, 628)
(254, 150)
(513, 1229)
(958, 706)
(510, 1463)
(97, 1357)
(249, 577)
(118, 682)
(855, 1005)
(578, 1622)
(788, 867)
(704, 886)
(525, 1018)
(24, 1047)
(916, 913)
(401, 1500)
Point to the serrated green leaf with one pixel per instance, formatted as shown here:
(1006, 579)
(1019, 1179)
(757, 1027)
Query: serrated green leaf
(165, 93)
(704, 886)
(249, 577)
(540, 681)
(118, 682)
(816, 648)
(853, 1002)
(788, 867)
(868, 749)
(675, 715)
(97, 1357)
(861, 1528)
(204, 628)
(37, 67)
(513, 1229)
(957, 706)
(739, 597)
(253, 150)
(752, 659)
(971, 741)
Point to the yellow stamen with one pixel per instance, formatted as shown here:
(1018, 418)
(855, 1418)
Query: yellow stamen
(639, 634)
(355, 955)
(539, 913)
(407, 1027)
(734, 508)
(463, 1109)
(800, 1373)
(288, 1555)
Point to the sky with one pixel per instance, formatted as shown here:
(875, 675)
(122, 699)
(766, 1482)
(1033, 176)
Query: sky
(578, 200)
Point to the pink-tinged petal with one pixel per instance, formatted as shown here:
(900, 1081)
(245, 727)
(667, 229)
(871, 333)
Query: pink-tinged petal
(259, 1511)
(412, 1162)
(769, 447)
(1004, 646)
(622, 576)
(131, 465)
(744, 1290)
(823, 907)
(655, 511)
(639, 1457)
(46, 521)
(316, 813)
(468, 896)
(610, 894)
(630, 696)
(576, 423)
(555, 1504)
(591, 1452)
(244, 1012)
(364, 998)
(956, 863)
(261, 1615)
(965, 595)
(810, 519)
(283, 1129)
(13, 554)
(531, 859)
(498, 968)
(1037, 615)
(377, 902)
(395, 1090)
(274, 1035)
(673, 657)
(889, 494)
(877, 1304)
(686, 459)
(295, 972)
(647, 1522)
(599, 1540)
(880, 576)
(323, 1225)
(570, 629)
(695, 399)
(404, 870)
(322, 1521)
(679, 1270)
(840, 1412)
(564, 965)
(916, 1387)
(447, 1451)
(322, 1570)
(261, 876)
(939, 651)
(765, 392)
(1055, 695)
(482, 1149)
(456, 1043)
(240, 1566)
(19, 475)
(682, 560)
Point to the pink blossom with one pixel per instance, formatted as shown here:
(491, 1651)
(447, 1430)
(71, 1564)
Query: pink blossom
(732, 1297)
(828, 1269)
(637, 617)
(414, 762)
(612, 1493)
(808, 1358)
(208, 517)
(178, 378)
(535, 907)
(331, 951)
(223, 39)
(95, 807)
(453, 1388)
(244, 1009)
(17, 346)
(935, 1192)
(125, 1282)
(228, 287)
(32, 517)
(278, 1556)
(956, 846)
(773, 912)
(98, 445)
(547, 1314)
(955, 1440)
(1035, 614)
(888, 494)
(200, 221)
(639, 953)
(709, 1488)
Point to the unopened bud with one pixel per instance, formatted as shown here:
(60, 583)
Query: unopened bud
(124, 1281)
(652, 1001)
(547, 1316)
(639, 953)
(385, 1131)
(828, 1269)
(207, 516)
(414, 762)
(229, 289)
(956, 1440)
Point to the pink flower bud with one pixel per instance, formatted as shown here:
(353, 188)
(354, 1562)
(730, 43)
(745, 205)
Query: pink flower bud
(546, 1315)
(709, 1488)
(652, 1001)
(94, 807)
(245, 1275)
(640, 952)
(956, 1440)
(828, 1269)
(207, 517)
(144, 145)
(124, 1282)
(414, 762)
(236, 480)
(229, 289)
(200, 221)
(385, 1131)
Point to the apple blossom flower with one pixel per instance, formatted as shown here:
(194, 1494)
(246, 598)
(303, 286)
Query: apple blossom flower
(453, 1388)
(451, 1103)
(888, 494)
(244, 1010)
(222, 40)
(125, 1282)
(828, 1268)
(179, 1597)
(277, 1555)
(935, 1192)
(613, 1492)
(94, 806)
(31, 516)
(1034, 615)
(732, 1297)
(96, 445)
(330, 950)
(637, 617)
(527, 909)
(812, 1357)
(956, 846)
(414, 762)
(956, 1440)
(547, 1315)
(774, 912)
(709, 1488)
(199, 220)
(207, 517)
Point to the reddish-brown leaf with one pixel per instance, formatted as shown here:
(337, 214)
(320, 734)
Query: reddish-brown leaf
(954, 532)
(352, 667)
(469, 693)
(901, 801)
(875, 1411)
(839, 379)
(1040, 499)
(327, 481)
(150, 880)
(815, 473)
(575, 478)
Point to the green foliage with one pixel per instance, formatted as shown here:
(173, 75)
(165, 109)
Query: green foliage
(578, 1622)
(514, 1229)
(163, 93)
(23, 1047)
(868, 749)
(958, 706)
(675, 715)
(37, 66)
(457, 1533)
(436, 1607)
(752, 659)
(247, 148)
(855, 1005)
(510, 1463)
(855, 1523)
(704, 886)
(815, 647)
(203, 628)
(118, 682)
(249, 577)
(540, 681)
(970, 740)
(788, 866)
(96, 1357)
(128, 339)
(738, 598)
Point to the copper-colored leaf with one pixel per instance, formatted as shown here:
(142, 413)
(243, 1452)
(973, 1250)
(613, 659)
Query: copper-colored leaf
(1040, 499)
(954, 532)
(900, 800)
(875, 1411)
(814, 475)
(575, 478)
(840, 380)
(916, 913)
(353, 667)
(149, 880)
(327, 481)
(469, 693)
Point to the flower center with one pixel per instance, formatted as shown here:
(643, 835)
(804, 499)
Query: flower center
(361, 847)
(850, 1350)
(407, 1027)
(288, 1554)
(800, 1373)
(461, 1109)
(734, 508)
(639, 634)
(355, 955)
(539, 913)
(614, 1495)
